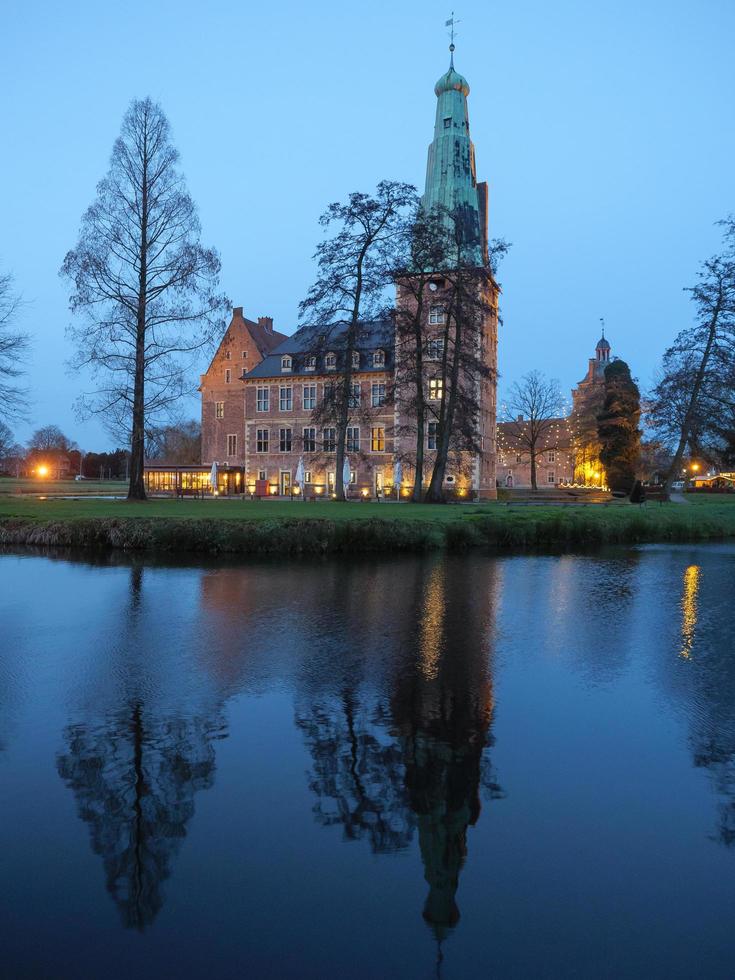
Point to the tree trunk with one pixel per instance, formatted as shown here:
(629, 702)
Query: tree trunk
(418, 483)
(435, 493)
(691, 407)
(136, 487)
(534, 481)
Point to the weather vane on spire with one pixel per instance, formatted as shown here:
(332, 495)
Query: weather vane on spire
(602, 321)
(451, 24)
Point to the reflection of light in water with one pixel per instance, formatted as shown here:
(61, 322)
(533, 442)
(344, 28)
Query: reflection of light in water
(432, 622)
(689, 609)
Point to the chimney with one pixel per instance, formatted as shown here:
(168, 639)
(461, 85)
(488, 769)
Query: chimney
(266, 322)
(520, 418)
(237, 311)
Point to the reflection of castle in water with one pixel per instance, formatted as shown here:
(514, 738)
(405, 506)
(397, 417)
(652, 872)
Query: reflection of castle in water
(387, 763)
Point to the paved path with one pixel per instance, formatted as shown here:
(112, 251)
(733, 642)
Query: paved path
(678, 498)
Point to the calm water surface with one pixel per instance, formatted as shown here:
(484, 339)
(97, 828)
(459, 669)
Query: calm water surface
(463, 766)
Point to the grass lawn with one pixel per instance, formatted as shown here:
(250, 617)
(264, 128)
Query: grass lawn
(9, 485)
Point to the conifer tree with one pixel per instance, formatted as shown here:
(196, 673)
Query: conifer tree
(619, 434)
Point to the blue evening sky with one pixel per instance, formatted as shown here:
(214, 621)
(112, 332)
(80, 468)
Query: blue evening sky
(605, 131)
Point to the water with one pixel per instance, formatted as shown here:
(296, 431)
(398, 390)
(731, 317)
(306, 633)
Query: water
(470, 766)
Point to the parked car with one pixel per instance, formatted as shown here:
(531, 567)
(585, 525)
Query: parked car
(677, 485)
(79, 477)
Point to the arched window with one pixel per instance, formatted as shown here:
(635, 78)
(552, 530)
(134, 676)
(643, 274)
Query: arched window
(286, 362)
(330, 361)
(355, 359)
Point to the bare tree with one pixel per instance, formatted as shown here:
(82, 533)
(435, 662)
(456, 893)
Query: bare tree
(50, 438)
(355, 267)
(700, 355)
(7, 441)
(13, 349)
(143, 287)
(532, 414)
(180, 442)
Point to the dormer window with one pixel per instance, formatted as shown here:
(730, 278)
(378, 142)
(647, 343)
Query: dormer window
(379, 358)
(355, 359)
(286, 363)
(330, 361)
(436, 314)
(310, 363)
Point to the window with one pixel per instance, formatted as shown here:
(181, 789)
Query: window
(244, 355)
(550, 477)
(285, 401)
(519, 459)
(310, 440)
(353, 439)
(310, 363)
(378, 394)
(228, 355)
(262, 399)
(355, 359)
(286, 363)
(353, 476)
(232, 445)
(436, 387)
(219, 410)
(377, 440)
(285, 441)
(309, 397)
(307, 476)
(447, 122)
(431, 432)
(261, 441)
(355, 395)
(379, 358)
(330, 440)
(262, 474)
(228, 375)
(435, 349)
(437, 314)
(330, 361)
(329, 391)
(551, 457)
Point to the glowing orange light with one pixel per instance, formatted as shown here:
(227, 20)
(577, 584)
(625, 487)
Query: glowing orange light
(42, 471)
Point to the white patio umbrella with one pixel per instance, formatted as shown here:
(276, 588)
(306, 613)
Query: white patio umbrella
(397, 477)
(213, 477)
(346, 474)
(299, 478)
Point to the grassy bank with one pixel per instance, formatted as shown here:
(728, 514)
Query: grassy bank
(236, 527)
(11, 485)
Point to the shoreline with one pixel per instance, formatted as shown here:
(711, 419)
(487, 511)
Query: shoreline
(505, 531)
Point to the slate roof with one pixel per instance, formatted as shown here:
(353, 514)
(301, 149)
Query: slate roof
(320, 340)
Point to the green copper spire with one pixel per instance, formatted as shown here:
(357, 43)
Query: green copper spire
(451, 181)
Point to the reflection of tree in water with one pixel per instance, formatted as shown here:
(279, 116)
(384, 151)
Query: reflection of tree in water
(135, 772)
(134, 778)
(382, 770)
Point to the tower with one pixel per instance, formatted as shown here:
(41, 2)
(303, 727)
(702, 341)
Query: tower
(451, 190)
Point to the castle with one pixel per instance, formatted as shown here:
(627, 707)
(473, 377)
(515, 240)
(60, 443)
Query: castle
(261, 389)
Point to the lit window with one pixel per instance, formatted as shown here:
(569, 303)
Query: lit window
(379, 358)
(353, 476)
(435, 349)
(330, 361)
(262, 400)
(355, 359)
(219, 410)
(310, 363)
(310, 440)
(377, 439)
(436, 387)
(232, 445)
(285, 441)
(431, 432)
(378, 394)
(437, 314)
(307, 476)
(285, 401)
(286, 363)
(330, 440)
(228, 376)
(353, 439)
(309, 400)
(355, 395)
(261, 440)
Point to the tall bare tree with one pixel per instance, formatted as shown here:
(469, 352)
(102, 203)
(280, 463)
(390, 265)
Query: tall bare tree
(14, 346)
(50, 437)
(532, 413)
(144, 290)
(355, 267)
(700, 355)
